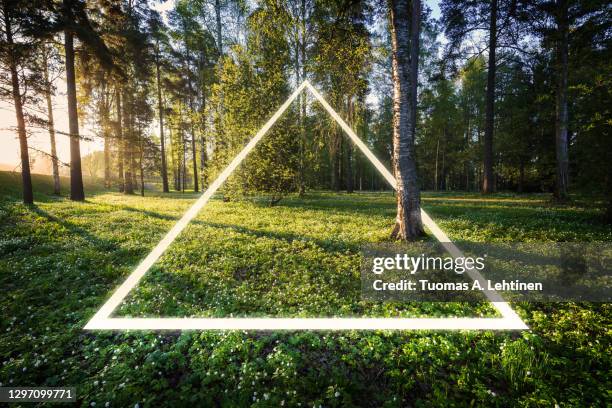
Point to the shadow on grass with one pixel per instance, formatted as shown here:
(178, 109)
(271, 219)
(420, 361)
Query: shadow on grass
(94, 240)
(331, 245)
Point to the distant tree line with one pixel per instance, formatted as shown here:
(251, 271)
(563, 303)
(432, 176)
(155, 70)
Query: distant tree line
(515, 98)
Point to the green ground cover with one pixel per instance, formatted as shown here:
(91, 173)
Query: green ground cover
(59, 261)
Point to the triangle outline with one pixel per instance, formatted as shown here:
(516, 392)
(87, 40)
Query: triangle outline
(102, 319)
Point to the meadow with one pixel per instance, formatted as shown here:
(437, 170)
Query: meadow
(60, 260)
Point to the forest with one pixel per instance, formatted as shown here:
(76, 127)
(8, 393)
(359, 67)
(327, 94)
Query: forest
(512, 95)
(491, 116)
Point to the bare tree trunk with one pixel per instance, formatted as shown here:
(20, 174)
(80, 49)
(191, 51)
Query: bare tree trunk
(561, 113)
(218, 17)
(487, 185)
(173, 159)
(349, 159)
(128, 178)
(415, 32)
(104, 123)
(298, 80)
(521, 182)
(141, 161)
(184, 170)
(133, 143)
(408, 222)
(436, 183)
(203, 152)
(338, 159)
(194, 152)
(26, 178)
(162, 139)
(76, 176)
(51, 127)
(119, 138)
(443, 178)
(195, 161)
(349, 169)
(608, 195)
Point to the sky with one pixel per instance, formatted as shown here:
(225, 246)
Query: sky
(39, 139)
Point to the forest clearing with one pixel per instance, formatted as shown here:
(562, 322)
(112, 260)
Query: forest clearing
(62, 262)
(230, 203)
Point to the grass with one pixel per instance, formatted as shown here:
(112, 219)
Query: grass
(59, 261)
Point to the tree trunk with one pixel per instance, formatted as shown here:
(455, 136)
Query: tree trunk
(194, 152)
(349, 158)
(303, 101)
(436, 184)
(128, 178)
(119, 137)
(408, 222)
(160, 105)
(414, 63)
(349, 168)
(608, 196)
(203, 157)
(76, 176)
(51, 127)
(141, 161)
(133, 143)
(104, 123)
(195, 161)
(521, 181)
(184, 169)
(298, 80)
(487, 185)
(561, 113)
(218, 17)
(26, 178)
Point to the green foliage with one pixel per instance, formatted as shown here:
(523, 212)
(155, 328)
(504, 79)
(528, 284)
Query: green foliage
(252, 85)
(59, 262)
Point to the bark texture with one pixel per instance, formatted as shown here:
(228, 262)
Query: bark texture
(408, 222)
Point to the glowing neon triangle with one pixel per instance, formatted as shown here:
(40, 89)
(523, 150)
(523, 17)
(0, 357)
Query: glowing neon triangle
(102, 320)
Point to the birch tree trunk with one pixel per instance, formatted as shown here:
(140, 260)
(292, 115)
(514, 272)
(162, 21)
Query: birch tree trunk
(218, 18)
(408, 222)
(415, 32)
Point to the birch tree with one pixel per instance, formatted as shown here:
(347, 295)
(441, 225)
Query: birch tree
(408, 220)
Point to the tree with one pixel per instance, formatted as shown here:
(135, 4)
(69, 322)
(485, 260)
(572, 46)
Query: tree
(561, 114)
(73, 20)
(14, 17)
(487, 182)
(498, 18)
(47, 58)
(252, 84)
(156, 26)
(408, 221)
(342, 52)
